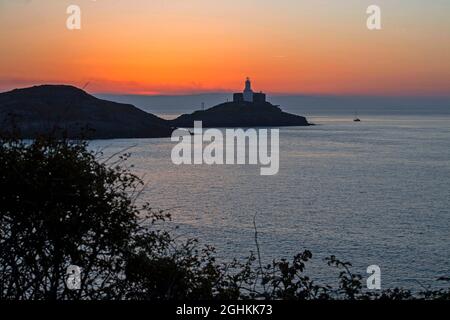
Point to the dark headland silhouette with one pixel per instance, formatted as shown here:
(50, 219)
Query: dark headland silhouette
(42, 109)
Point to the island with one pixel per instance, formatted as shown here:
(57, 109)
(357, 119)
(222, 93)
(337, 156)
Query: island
(248, 109)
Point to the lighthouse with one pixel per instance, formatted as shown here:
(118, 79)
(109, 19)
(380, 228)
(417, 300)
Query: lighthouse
(248, 95)
(248, 92)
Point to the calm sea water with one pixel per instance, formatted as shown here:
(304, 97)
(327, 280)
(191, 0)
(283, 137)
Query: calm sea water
(375, 192)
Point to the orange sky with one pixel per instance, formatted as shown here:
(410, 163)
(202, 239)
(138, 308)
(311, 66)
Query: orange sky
(192, 46)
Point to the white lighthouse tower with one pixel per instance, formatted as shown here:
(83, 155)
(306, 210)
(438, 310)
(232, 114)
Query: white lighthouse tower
(248, 95)
(248, 92)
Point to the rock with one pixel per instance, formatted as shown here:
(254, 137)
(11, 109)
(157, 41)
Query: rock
(241, 114)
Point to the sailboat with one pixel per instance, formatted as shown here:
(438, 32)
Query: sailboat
(357, 119)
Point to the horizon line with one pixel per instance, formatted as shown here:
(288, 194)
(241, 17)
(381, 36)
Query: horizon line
(276, 94)
(231, 91)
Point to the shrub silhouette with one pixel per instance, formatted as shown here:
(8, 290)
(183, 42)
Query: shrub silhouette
(61, 206)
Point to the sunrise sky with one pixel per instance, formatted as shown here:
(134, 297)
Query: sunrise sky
(193, 46)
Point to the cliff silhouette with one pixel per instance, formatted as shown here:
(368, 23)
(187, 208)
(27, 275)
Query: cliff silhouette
(50, 108)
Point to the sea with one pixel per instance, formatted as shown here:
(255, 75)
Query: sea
(375, 192)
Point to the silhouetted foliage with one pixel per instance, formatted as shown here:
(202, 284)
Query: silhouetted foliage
(61, 206)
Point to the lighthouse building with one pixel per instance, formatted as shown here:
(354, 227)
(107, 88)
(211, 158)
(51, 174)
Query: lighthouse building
(248, 95)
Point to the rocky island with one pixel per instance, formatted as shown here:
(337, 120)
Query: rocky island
(242, 115)
(248, 109)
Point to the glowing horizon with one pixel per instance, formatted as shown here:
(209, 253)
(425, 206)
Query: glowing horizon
(198, 46)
